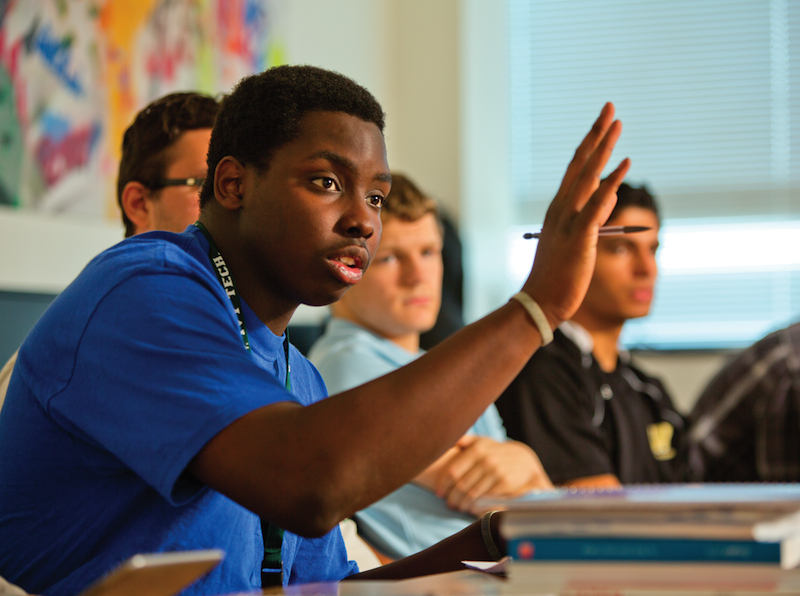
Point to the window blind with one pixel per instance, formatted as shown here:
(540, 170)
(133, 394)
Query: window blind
(709, 96)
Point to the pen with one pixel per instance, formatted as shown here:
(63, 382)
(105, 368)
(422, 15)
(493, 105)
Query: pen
(604, 231)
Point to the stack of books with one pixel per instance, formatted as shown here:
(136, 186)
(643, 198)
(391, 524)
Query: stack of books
(722, 523)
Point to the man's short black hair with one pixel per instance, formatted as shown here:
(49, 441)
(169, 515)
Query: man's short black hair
(153, 132)
(264, 112)
(634, 196)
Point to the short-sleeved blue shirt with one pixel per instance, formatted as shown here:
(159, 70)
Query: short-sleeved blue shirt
(130, 372)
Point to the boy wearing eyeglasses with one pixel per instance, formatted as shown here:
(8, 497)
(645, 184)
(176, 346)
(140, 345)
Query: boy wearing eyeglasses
(163, 164)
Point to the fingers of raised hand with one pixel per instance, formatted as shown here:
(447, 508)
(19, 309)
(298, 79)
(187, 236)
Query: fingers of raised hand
(599, 207)
(588, 180)
(586, 148)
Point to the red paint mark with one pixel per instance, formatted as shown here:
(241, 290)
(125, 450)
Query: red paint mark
(164, 63)
(58, 158)
(233, 33)
(12, 65)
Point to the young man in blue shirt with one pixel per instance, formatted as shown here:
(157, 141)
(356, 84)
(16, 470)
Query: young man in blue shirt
(153, 408)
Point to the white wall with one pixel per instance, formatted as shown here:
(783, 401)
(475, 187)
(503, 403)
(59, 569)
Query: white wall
(45, 253)
(348, 36)
(424, 124)
(484, 157)
(406, 52)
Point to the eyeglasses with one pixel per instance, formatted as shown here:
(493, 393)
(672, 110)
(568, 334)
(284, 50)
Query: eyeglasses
(159, 184)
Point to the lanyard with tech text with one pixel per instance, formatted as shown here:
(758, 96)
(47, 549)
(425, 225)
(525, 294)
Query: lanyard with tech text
(226, 279)
(272, 564)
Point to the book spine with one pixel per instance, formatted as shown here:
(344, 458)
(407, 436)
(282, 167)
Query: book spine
(642, 549)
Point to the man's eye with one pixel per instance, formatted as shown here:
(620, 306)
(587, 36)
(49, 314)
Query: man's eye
(376, 201)
(326, 183)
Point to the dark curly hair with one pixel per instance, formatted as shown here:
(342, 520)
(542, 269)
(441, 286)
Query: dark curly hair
(633, 196)
(153, 132)
(264, 112)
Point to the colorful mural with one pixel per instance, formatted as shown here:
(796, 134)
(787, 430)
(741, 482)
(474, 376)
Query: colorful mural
(74, 72)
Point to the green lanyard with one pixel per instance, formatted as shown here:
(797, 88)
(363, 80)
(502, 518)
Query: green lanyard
(272, 565)
(226, 279)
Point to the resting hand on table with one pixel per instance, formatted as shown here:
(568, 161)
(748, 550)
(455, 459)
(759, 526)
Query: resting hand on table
(482, 467)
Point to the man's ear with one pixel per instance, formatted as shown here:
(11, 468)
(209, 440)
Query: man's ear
(228, 178)
(136, 205)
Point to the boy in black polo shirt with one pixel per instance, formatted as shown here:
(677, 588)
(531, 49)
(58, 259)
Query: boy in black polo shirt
(592, 417)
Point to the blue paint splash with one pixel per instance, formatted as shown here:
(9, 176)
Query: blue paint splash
(57, 54)
(55, 126)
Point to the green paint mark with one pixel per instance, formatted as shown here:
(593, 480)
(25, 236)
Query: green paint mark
(10, 143)
(276, 54)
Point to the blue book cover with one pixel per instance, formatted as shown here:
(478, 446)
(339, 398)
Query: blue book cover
(642, 549)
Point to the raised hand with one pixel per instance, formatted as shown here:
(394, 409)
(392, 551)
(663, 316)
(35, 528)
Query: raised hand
(567, 249)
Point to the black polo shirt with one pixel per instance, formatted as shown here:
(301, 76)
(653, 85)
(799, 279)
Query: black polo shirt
(583, 421)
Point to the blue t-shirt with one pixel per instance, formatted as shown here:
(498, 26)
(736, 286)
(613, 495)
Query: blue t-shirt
(130, 372)
(411, 518)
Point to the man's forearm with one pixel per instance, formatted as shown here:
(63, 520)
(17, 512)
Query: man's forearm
(305, 469)
(447, 555)
(317, 465)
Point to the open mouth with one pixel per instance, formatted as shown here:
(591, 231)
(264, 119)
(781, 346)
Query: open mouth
(347, 262)
(348, 268)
